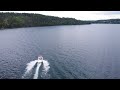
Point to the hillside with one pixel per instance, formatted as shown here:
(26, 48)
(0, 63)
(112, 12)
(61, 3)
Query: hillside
(108, 21)
(15, 20)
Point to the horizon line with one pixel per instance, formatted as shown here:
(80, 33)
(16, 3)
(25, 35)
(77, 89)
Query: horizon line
(55, 16)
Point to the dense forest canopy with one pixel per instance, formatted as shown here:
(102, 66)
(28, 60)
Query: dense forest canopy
(14, 20)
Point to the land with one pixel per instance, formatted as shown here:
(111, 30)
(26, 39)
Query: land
(108, 21)
(17, 20)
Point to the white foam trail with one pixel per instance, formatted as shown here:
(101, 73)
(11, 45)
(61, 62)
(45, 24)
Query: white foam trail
(37, 70)
(29, 68)
(45, 70)
(30, 65)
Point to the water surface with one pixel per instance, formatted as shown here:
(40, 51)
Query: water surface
(70, 52)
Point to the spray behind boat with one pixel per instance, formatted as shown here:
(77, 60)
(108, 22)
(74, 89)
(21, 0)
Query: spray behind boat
(37, 69)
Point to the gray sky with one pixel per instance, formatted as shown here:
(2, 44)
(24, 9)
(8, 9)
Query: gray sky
(80, 15)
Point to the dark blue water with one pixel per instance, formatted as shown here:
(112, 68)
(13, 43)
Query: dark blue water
(73, 52)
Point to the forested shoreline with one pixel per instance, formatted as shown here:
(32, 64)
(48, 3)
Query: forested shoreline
(17, 20)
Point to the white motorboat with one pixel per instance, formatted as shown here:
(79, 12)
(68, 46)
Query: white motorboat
(40, 59)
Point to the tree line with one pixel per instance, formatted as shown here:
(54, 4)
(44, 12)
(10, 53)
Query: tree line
(15, 20)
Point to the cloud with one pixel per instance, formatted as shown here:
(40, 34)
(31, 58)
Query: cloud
(108, 13)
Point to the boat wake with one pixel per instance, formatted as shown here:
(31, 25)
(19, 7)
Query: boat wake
(37, 69)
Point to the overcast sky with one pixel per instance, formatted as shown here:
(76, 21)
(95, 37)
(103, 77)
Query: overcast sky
(80, 15)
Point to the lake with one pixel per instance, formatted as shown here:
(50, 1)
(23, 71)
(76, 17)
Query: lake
(69, 52)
